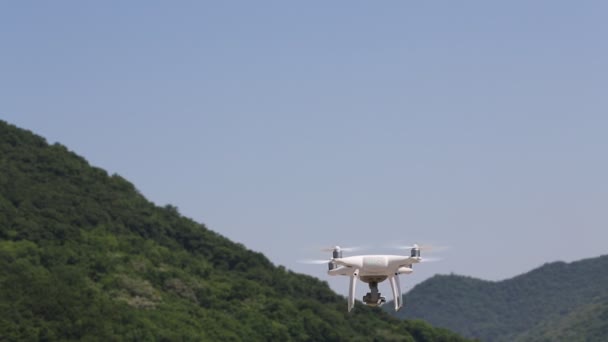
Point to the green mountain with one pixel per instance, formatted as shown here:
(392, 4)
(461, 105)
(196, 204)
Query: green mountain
(84, 256)
(586, 323)
(549, 303)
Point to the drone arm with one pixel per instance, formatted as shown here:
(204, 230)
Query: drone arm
(396, 287)
(342, 262)
(412, 260)
(351, 289)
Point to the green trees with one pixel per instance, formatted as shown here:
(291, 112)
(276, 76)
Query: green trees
(84, 256)
(530, 306)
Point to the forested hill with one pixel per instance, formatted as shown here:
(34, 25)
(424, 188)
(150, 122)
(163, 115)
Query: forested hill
(588, 322)
(84, 256)
(556, 302)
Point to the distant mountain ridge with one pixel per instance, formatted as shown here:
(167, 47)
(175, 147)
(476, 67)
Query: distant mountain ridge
(534, 306)
(84, 256)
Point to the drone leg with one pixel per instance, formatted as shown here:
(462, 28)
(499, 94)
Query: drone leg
(396, 287)
(351, 290)
(399, 295)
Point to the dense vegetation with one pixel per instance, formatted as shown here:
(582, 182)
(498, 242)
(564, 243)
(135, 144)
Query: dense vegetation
(553, 303)
(586, 323)
(84, 256)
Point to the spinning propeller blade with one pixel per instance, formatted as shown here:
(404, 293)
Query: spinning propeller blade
(430, 259)
(424, 247)
(343, 249)
(314, 262)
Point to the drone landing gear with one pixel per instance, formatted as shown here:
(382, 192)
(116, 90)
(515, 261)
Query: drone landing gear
(374, 297)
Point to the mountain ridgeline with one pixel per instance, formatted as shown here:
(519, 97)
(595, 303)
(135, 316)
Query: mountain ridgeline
(556, 302)
(84, 256)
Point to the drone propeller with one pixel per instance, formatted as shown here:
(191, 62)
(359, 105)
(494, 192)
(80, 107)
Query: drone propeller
(314, 261)
(343, 249)
(424, 247)
(430, 259)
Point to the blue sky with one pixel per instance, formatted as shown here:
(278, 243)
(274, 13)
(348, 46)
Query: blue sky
(287, 126)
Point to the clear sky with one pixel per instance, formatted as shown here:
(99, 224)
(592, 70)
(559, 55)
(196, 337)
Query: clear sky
(283, 125)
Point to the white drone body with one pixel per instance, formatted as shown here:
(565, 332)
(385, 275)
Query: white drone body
(373, 269)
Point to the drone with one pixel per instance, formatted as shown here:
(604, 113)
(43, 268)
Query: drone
(372, 269)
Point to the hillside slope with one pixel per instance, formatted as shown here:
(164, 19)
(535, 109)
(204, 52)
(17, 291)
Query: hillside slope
(510, 309)
(84, 256)
(586, 323)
